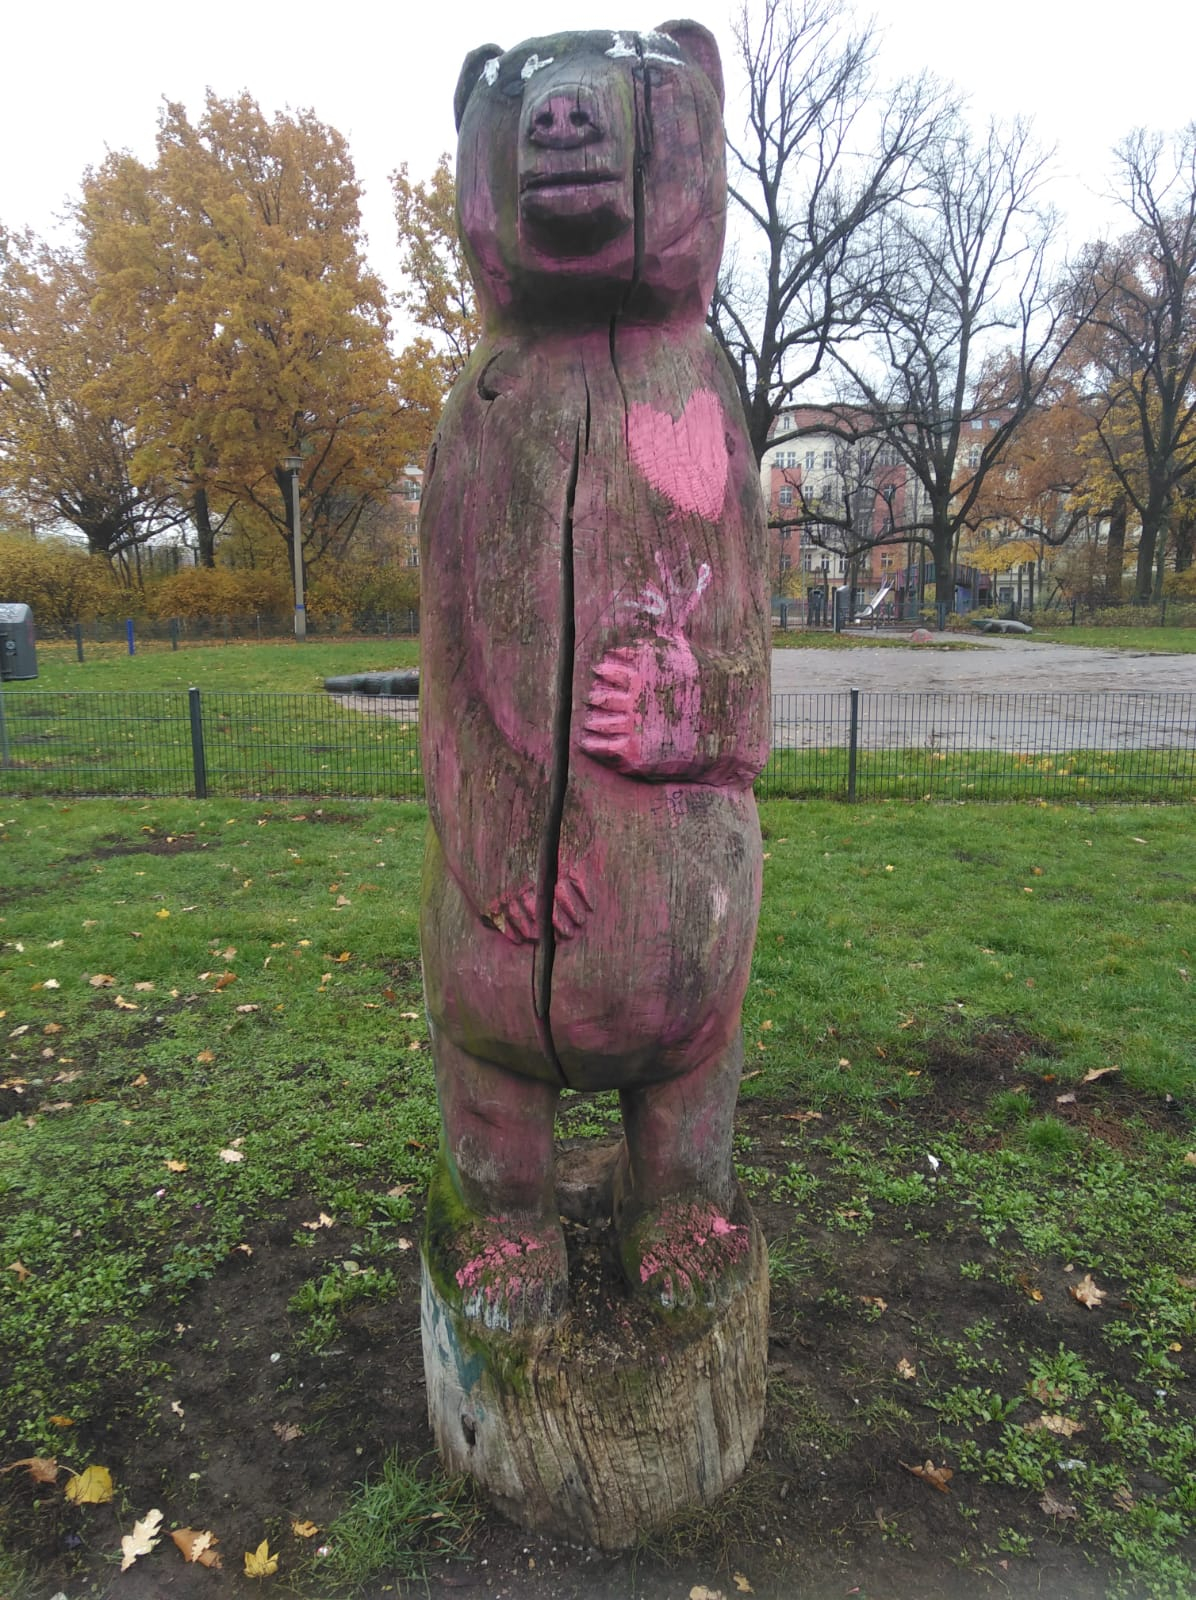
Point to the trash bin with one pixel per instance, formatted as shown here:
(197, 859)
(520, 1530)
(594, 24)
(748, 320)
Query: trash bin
(18, 646)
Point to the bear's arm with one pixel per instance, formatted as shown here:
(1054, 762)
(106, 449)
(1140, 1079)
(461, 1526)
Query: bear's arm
(661, 709)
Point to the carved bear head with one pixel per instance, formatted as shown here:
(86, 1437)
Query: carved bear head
(591, 175)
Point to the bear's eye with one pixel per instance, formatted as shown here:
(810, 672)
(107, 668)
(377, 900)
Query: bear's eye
(511, 83)
(652, 76)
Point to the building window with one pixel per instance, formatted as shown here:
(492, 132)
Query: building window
(785, 496)
(974, 456)
(828, 460)
(784, 534)
(977, 423)
(809, 460)
(786, 563)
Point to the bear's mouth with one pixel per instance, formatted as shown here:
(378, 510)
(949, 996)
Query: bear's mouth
(586, 179)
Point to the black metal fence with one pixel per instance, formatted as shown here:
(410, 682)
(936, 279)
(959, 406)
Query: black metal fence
(853, 745)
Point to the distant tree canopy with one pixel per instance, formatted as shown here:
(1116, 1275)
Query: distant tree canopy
(216, 316)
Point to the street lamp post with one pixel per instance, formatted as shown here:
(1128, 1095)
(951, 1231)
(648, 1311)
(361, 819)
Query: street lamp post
(292, 464)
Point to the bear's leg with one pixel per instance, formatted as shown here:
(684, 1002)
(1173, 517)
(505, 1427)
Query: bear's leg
(494, 1238)
(681, 1240)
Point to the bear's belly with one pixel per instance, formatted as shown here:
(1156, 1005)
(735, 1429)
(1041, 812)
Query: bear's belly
(651, 986)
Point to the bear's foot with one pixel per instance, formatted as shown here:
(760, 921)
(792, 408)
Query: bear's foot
(683, 1254)
(509, 1274)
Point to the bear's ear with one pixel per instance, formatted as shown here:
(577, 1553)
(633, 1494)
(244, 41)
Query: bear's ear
(470, 72)
(697, 44)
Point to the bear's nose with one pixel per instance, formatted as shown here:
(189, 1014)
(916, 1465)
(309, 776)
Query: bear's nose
(564, 120)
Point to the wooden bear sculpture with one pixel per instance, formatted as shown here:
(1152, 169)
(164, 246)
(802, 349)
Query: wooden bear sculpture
(594, 685)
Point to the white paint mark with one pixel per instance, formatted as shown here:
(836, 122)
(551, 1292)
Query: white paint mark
(490, 71)
(622, 47)
(719, 902)
(533, 64)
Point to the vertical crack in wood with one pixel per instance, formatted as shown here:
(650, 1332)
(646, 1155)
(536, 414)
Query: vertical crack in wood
(643, 154)
(550, 844)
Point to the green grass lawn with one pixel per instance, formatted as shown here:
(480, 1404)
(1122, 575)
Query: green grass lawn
(212, 1023)
(1155, 641)
(280, 667)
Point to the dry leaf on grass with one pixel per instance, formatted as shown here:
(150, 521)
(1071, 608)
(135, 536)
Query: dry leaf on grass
(304, 1530)
(873, 1300)
(1098, 1072)
(741, 1583)
(322, 1221)
(938, 1477)
(176, 1166)
(42, 1469)
(1054, 1507)
(1086, 1292)
(1054, 1423)
(101, 980)
(287, 1431)
(197, 1546)
(143, 1539)
(91, 1487)
(701, 1592)
(260, 1563)
(21, 1270)
(801, 1116)
(232, 1155)
(906, 1368)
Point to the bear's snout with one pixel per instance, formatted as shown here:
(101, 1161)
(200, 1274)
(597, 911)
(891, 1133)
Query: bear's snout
(565, 119)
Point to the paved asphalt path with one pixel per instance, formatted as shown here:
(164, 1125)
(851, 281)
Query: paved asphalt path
(1001, 694)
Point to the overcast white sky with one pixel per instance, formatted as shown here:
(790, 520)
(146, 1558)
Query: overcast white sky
(81, 79)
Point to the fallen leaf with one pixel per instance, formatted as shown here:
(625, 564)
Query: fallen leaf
(42, 1469)
(937, 1477)
(1123, 1499)
(287, 1431)
(906, 1368)
(205, 1057)
(161, 915)
(1065, 1099)
(245, 1010)
(1054, 1423)
(1054, 1507)
(51, 983)
(52, 1027)
(742, 1584)
(232, 1155)
(344, 956)
(701, 1592)
(101, 980)
(1098, 1072)
(260, 1563)
(91, 1487)
(21, 1270)
(1190, 1159)
(143, 1539)
(60, 1421)
(802, 1116)
(223, 981)
(139, 1082)
(342, 900)
(873, 1300)
(176, 1166)
(143, 988)
(1086, 1292)
(196, 1546)
(122, 1004)
(304, 1530)
(322, 1221)
(17, 1032)
(1040, 1389)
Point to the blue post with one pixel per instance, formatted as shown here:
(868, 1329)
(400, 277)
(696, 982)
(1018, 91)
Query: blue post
(198, 758)
(853, 743)
(129, 635)
(79, 641)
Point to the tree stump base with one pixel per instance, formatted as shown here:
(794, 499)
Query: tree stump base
(600, 1426)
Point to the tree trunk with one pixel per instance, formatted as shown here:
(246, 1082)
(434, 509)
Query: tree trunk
(1115, 554)
(201, 513)
(599, 1428)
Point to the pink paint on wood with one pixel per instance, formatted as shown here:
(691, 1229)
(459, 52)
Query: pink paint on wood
(685, 459)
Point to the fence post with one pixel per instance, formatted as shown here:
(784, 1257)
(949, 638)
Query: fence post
(129, 636)
(174, 633)
(4, 757)
(79, 641)
(197, 752)
(853, 744)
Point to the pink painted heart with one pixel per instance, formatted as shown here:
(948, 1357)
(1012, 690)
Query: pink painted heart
(687, 459)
